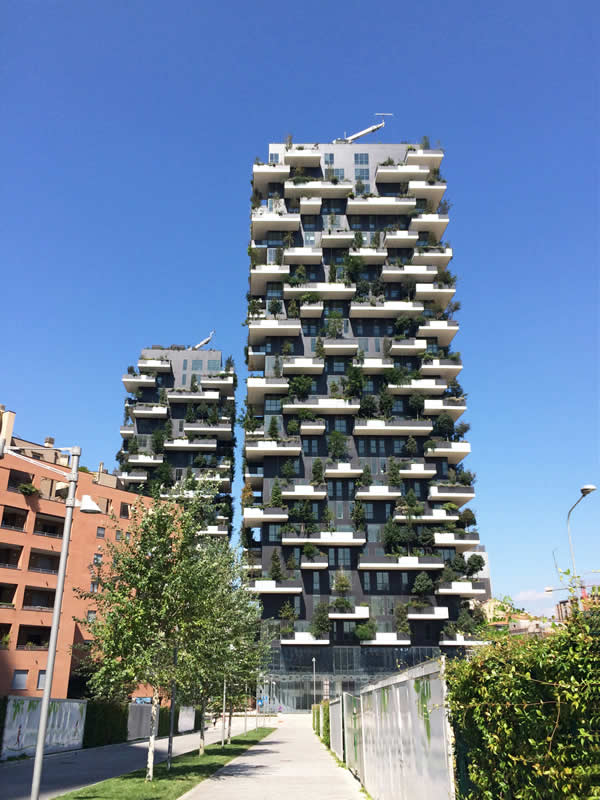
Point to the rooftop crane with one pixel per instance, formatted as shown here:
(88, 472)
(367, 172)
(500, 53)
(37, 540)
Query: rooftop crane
(371, 129)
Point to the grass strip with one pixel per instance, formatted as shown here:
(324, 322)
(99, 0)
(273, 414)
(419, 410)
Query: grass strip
(186, 772)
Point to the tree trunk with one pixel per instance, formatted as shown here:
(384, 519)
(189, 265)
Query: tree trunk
(152, 739)
(229, 723)
(201, 745)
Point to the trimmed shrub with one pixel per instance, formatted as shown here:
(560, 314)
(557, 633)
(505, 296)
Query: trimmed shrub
(326, 732)
(105, 723)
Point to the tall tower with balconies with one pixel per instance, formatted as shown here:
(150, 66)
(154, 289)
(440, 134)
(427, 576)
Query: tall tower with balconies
(179, 424)
(358, 539)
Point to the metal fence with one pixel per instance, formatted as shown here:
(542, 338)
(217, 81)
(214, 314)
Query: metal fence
(397, 736)
(336, 728)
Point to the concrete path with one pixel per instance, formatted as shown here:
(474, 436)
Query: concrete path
(289, 764)
(64, 772)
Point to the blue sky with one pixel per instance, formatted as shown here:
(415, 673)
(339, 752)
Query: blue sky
(128, 133)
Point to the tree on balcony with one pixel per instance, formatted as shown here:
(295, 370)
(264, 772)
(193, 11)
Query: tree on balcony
(393, 472)
(366, 479)
(423, 585)
(366, 631)
(368, 407)
(410, 447)
(301, 512)
(293, 311)
(337, 446)
(354, 382)
(401, 619)
(247, 495)
(409, 507)
(416, 404)
(320, 624)
(341, 583)
(319, 348)
(299, 386)
(334, 325)
(273, 431)
(288, 470)
(247, 420)
(474, 565)
(386, 403)
(275, 570)
(293, 426)
(276, 497)
(466, 519)
(444, 426)
(317, 472)
(327, 519)
(288, 616)
(460, 431)
(358, 516)
(275, 307)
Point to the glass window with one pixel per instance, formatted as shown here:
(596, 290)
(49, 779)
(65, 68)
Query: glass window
(124, 511)
(361, 174)
(340, 425)
(274, 533)
(214, 365)
(316, 582)
(383, 581)
(97, 559)
(344, 557)
(373, 533)
(309, 222)
(273, 158)
(309, 238)
(377, 345)
(271, 255)
(274, 291)
(367, 581)
(91, 616)
(363, 344)
(197, 364)
(361, 447)
(93, 587)
(339, 510)
(339, 173)
(272, 404)
(41, 681)
(185, 363)
(369, 386)
(184, 379)
(19, 679)
(369, 511)
(313, 344)
(361, 158)
(118, 535)
(339, 366)
(329, 159)
(100, 532)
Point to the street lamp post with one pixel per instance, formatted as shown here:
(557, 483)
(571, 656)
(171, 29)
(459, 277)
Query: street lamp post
(585, 490)
(314, 663)
(87, 506)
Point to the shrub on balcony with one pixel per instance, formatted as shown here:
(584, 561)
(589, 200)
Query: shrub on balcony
(334, 325)
(276, 497)
(288, 470)
(423, 585)
(299, 386)
(450, 508)
(342, 605)
(366, 479)
(275, 570)
(273, 432)
(310, 551)
(416, 404)
(28, 489)
(293, 312)
(427, 538)
(337, 446)
(355, 381)
(458, 564)
(401, 619)
(368, 406)
(466, 519)
(293, 427)
(366, 631)
(460, 431)
(317, 472)
(393, 472)
(410, 447)
(320, 624)
(474, 565)
(358, 516)
(386, 403)
(319, 348)
(327, 519)
(444, 426)
(275, 307)
(465, 477)
(341, 583)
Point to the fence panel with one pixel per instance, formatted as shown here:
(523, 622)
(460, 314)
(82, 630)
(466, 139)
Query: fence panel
(66, 722)
(336, 727)
(353, 747)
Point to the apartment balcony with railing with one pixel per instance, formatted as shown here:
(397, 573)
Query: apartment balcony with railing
(154, 365)
(134, 382)
(272, 447)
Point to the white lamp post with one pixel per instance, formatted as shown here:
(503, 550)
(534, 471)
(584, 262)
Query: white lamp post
(585, 490)
(86, 506)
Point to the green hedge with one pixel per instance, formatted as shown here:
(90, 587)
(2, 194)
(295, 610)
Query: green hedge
(3, 704)
(317, 719)
(105, 723)
(326, 732)
(164, 720)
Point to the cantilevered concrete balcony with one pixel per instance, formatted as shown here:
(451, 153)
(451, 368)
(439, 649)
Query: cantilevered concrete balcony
(223, 383)
(302, 365)
(343, 238)
(432, 223)
(322, 406)
(264, 174)
(385, 309)
(148, 411)
(436, 256)
(264, 221)
(256, 359)
(402, 173)
(259, 516)
(370, 255)
(287, 448)
(440, 295)
(259, 387)
(340, 347)
(375, 365)
(304, 491)
(134, 382)
(275, 587)
(261, 329)
(266, 273)
(254, 475)
(326, 291)
(429, 613)
(318, 562)
(385, 639)
(460, 540)
(426, 386)
(311, 310)
(460, 640)
(417, 468)
(462, 589)
(357, 613)
(320, 188)
(378, 492)
(454, 406)
(127, 431)
(404, 563)
(444, 367)
(395, 427)
(303, 637)
(185, 396)
(220, 431)
(302, 158)
(310, 205)
(459, 495)
(192, 445)
(325, 539)
(312, 428)
(435, 516)
(145, 459)
(441, 329)
(154, 365)
(403, 239)
(425, 158)
(343, 470)
(214, 530)
(408, 273)
(380, 205)
(408, 347)
(423, 190)
(302, 255)
(453, 452)
(133, 476)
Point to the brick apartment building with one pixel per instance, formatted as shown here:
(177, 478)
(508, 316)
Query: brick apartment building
(33, 487)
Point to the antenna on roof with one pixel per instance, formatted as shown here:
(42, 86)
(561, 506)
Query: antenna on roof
(371, 129)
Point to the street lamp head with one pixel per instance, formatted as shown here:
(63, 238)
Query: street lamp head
(588, 489)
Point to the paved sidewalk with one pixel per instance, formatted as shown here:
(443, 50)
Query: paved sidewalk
(289, 764)
(64, 772)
